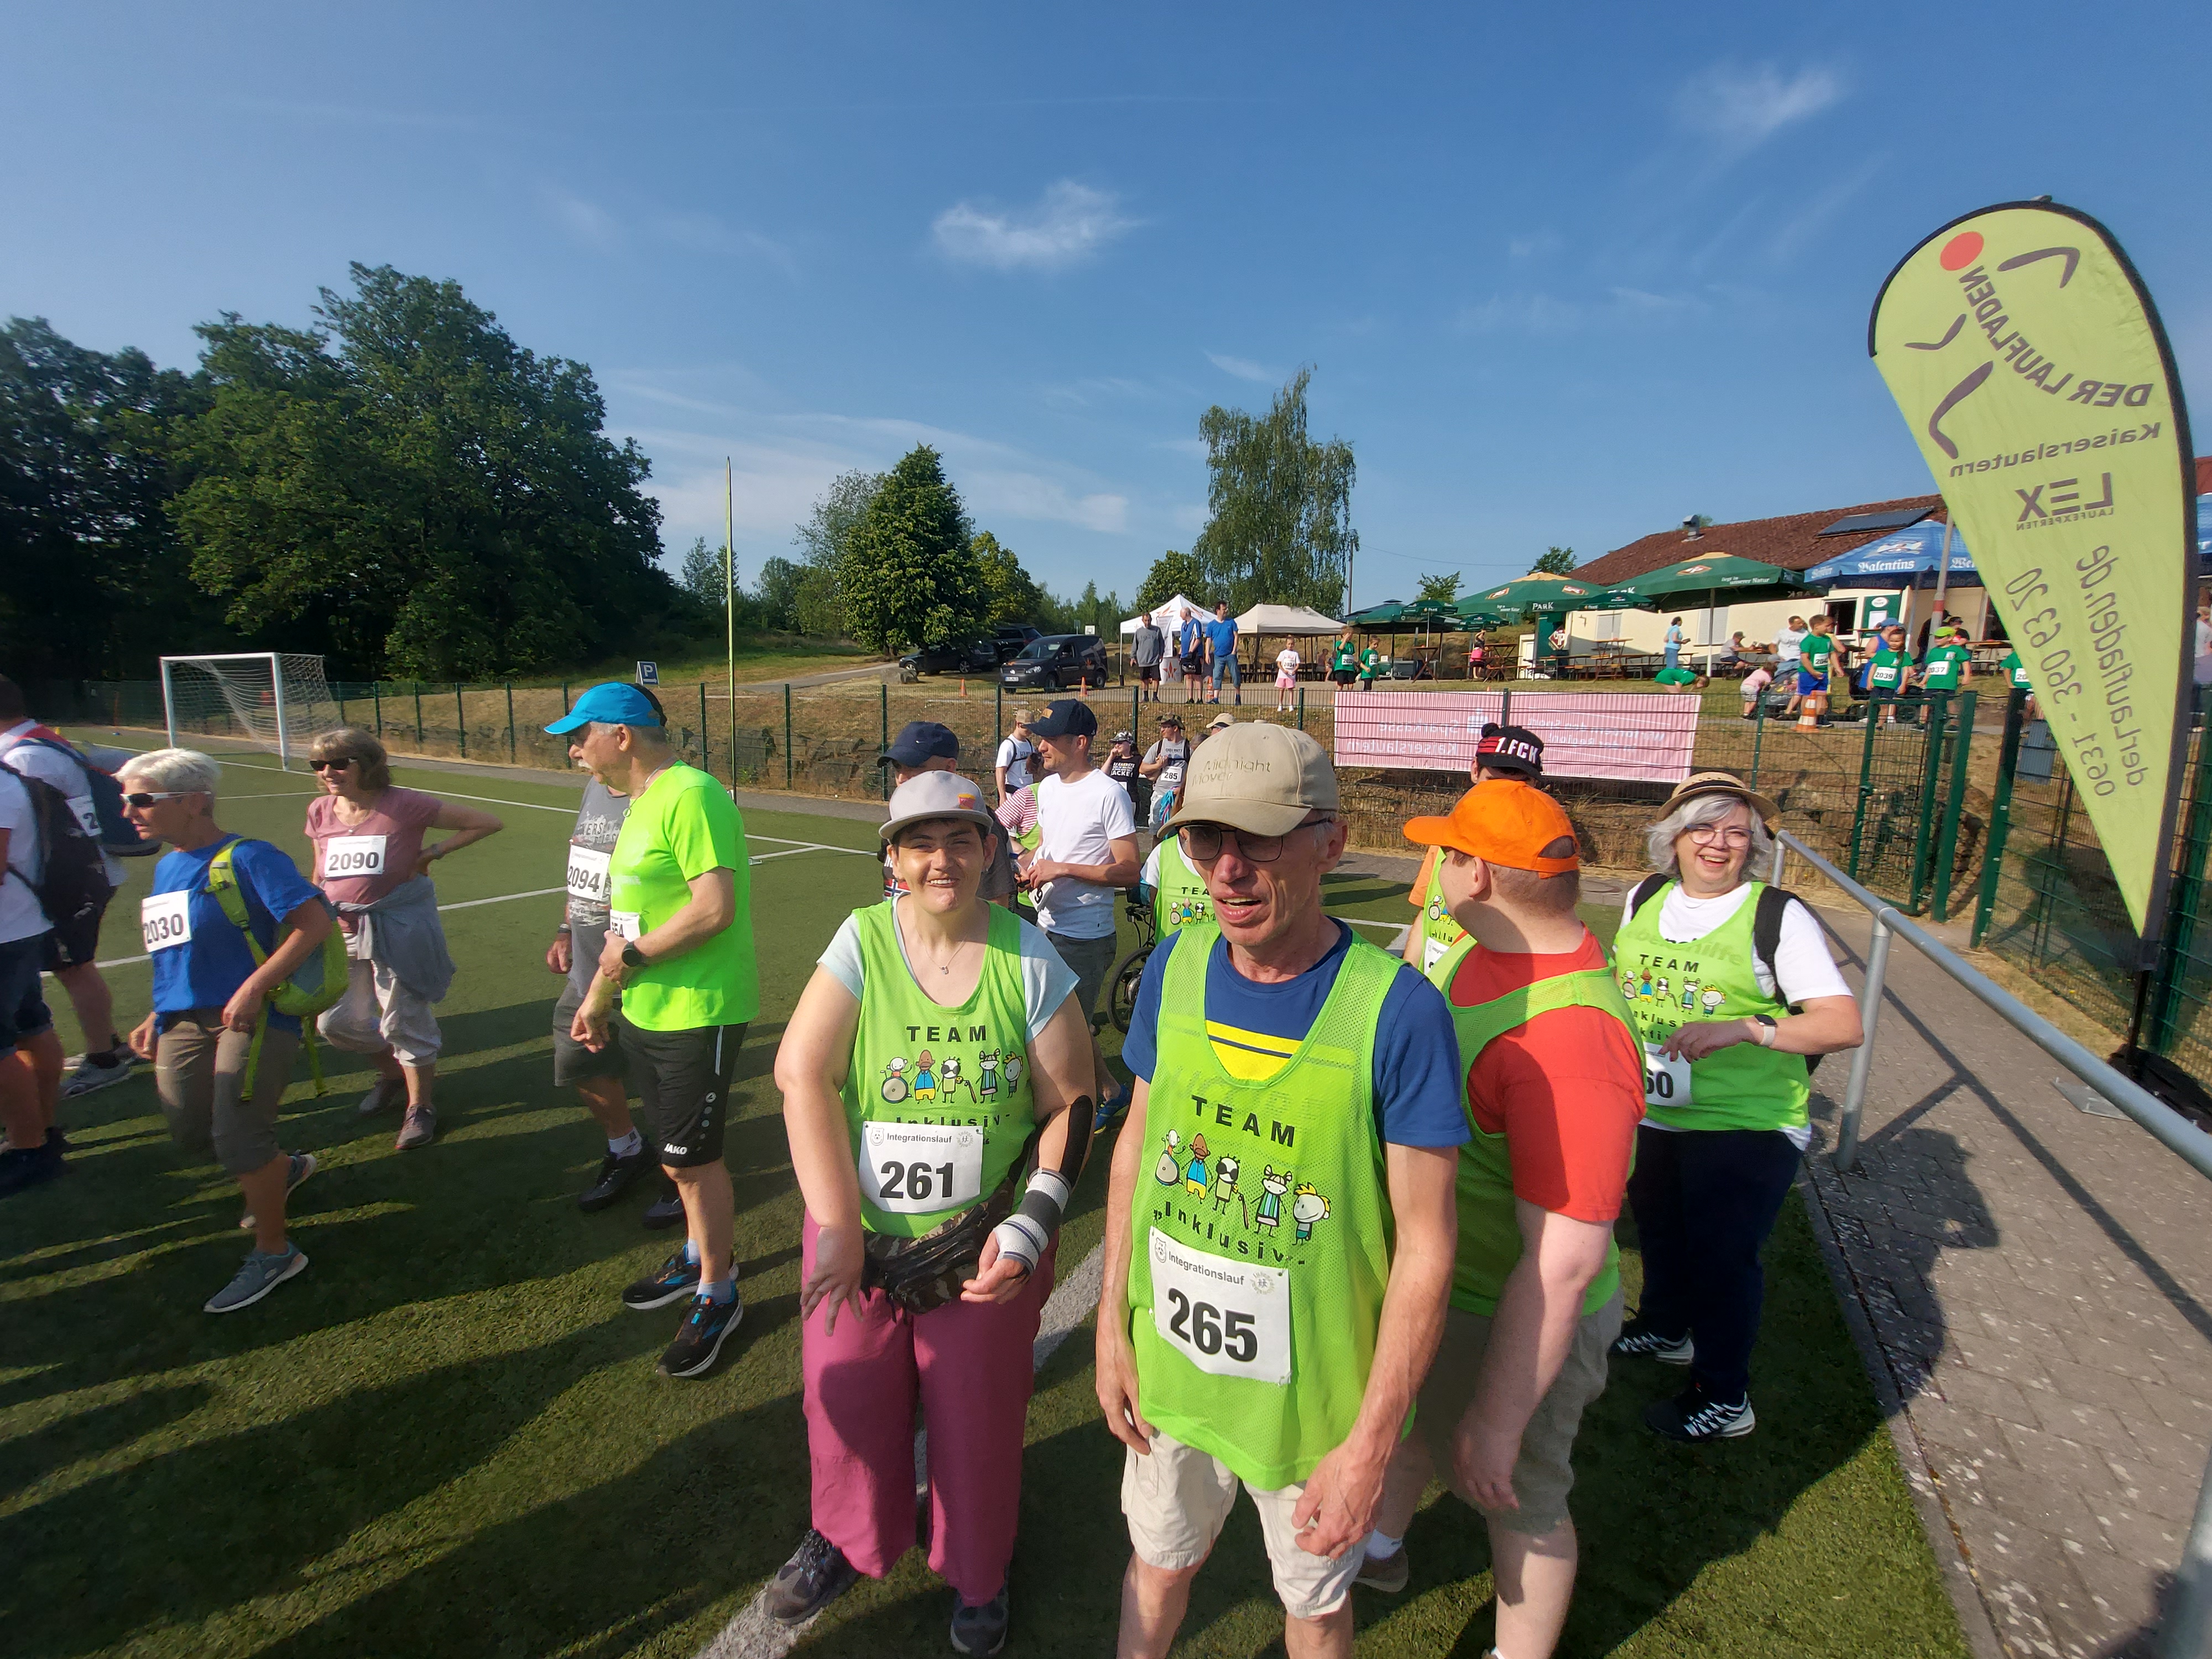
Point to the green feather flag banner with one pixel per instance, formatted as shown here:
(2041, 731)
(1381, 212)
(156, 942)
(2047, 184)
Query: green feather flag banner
(2030, 364)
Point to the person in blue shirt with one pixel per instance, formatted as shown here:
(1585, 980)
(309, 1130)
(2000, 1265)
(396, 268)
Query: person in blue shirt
(210, 996)
(1194, 655)
(1221, 647)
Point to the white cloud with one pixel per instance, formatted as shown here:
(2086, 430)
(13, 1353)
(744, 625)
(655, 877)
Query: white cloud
(1194, 447)
(1548, 314)
(1031, 495)
(1245, 369)
(587, 222)
(1745, 107)
(1535, 243)
(1069, 223)
(1813, 218)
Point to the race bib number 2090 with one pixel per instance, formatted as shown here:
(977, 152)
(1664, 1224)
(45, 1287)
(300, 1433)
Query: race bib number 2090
(1228, 1318)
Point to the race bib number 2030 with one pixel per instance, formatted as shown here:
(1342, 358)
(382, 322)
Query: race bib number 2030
(165, 920)
(1228, 1318)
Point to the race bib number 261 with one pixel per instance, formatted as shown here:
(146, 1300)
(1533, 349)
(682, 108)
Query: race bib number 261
(1228, 1318)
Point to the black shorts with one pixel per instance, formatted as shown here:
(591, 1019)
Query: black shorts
(76, 941)
(572, 1063)
(1341, 676)
(22, 1008)
(1148, 673)
(683, 1081)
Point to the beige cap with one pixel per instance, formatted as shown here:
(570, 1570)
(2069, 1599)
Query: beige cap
(1221, 722)
(1258, 777)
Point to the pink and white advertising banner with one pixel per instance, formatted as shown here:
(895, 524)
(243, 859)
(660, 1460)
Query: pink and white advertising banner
(1646, 737)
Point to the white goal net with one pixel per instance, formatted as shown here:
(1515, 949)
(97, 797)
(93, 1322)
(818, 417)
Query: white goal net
(272, 700)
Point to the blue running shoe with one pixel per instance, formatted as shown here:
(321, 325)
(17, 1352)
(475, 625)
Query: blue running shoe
(700, 1342)
(672, 1281)
(1109, 1112)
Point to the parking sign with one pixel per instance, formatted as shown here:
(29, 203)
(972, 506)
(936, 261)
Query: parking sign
(649, 673)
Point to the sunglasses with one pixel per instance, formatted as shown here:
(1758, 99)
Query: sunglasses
(1202, 843)
(337, 763)
(142, 800)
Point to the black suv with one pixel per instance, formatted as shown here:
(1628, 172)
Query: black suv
(1055, 661)
(1009, 638)
(977, 657)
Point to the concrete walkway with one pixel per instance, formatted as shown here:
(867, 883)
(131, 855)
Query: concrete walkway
(2032, 1286)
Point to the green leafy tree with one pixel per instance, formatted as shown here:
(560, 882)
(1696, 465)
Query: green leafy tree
(1281, 529)
(817, 606)
(408, 483)
(703, 576)
(97, 584)
(1171, 574)
(1443, 589)
(821, 542)
(1013, 596)
(775, 594)
(1556, 562)
(907, 578)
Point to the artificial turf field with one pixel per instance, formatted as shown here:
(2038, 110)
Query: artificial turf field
(447, 1436)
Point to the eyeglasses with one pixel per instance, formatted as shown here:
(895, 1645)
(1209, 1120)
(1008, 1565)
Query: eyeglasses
(1705, 834)
(1202, 843)
(335, 764)
(142, 800)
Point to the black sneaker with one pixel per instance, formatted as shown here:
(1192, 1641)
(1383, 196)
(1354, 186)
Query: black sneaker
(817, 1574)
(1638, 1338)
(667, 1210)
(613, 1180)
(700, 1342)
(672, 1281)
(21, 1170)
(1696, 1417)
(979, 1629)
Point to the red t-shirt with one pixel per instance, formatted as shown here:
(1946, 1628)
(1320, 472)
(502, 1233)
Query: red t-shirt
(1566, 1089)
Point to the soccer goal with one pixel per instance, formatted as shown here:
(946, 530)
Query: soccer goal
(273, 700)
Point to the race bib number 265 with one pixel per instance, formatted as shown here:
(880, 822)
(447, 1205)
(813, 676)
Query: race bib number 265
(1228, 1318)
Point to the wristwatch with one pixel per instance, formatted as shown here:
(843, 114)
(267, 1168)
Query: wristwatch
(1767, 1029)
(633, 958)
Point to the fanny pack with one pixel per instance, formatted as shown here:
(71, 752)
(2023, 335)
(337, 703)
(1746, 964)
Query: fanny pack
(923, 1273)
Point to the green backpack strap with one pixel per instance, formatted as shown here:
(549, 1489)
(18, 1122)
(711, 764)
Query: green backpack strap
(223, 887)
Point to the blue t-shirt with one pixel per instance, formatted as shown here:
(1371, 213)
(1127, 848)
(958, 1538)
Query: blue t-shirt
(1224, 636)
(206, 971)
(1190, 637)
(1255, 1027)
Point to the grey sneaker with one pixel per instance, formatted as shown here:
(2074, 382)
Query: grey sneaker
(420, 1129)
(260, 1273)
(979, 1629)
(1390, 1573)
(1638, 1338)
(383, 1095)
(96, 1071)
(303, 1165)
(816, 1575)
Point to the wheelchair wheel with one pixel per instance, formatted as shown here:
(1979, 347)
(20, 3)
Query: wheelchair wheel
(1121, 986)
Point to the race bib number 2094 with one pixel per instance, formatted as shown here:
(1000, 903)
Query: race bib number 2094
(1228, 1318)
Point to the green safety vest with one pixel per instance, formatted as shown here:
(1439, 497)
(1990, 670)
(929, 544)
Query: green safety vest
(1668, 986)
(1180, 898)
(1439, 932)
(2018, 672)
(1489, 1230)
(918, 1062)
(1944, 662)
(1886, 670)
(1263, 1217)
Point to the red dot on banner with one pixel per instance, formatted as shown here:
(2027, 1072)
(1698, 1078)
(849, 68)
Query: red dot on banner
(1962, 250)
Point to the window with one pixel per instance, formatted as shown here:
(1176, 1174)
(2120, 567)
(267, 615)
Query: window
(1606, 625)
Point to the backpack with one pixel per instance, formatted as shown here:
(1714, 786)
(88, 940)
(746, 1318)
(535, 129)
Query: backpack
(73, 885)
(118, 835)
(1766, 933)
(315, 984)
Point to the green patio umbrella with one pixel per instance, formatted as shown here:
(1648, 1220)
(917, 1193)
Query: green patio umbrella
(1739, 578)
(1374, 616)
(1472, 614)
(1538, 590)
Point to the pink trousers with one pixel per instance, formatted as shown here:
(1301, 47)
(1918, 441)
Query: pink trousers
(970, 1364)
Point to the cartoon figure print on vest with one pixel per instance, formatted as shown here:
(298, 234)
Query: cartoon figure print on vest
(1184, 1163)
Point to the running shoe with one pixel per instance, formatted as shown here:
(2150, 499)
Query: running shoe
(303, 1165)
(1108, 1111)
(699, 1343)
(613, 1180)
(31, 1167)
(817, 1574)
(676, 1278)
(420, 1129)
(384, 1094)
(260, 1273)
(1638, 1338)
(96, 1071)
(979, 1629)
(1387, 1573)
(1694, 1416)
(667, 1210)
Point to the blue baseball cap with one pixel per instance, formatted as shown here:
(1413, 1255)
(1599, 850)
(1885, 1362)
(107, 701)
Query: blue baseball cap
(616, 703)
(919, 743)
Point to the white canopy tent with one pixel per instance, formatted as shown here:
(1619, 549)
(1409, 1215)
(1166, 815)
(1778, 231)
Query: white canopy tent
(1285, 619)
(1168, 616)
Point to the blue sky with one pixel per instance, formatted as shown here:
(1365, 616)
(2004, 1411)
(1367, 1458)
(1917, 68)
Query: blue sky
(1564, 275)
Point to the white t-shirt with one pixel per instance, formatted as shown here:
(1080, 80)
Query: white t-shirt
(1019, 759)
(1786, 641)
(1080, 821)
(35, 760)
(1046, 981)
(1286, 661)
(20, 914)
(1802, 963)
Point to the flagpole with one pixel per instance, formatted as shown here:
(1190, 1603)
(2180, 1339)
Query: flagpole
(730, 593)
(1942, 572)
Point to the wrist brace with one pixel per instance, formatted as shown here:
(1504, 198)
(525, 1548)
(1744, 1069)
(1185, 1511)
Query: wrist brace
(1027, 1233)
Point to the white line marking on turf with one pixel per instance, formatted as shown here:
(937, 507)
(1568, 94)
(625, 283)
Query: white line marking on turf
(752, 1634)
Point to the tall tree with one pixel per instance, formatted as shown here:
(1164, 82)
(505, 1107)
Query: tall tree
(1443, 589)
(775, 594)
(1171, 574)
(822, 541)
(1281, 505)
(703, 575)
(97, 584)
(1013, 596)
(1557, 560)
(907, 578)
(407, 483)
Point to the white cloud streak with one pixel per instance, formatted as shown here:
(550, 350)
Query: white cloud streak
(1744, 108)
(1245, 369)
(1070, 224)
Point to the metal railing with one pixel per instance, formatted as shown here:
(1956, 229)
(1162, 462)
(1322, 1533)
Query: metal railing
(2187, 1631)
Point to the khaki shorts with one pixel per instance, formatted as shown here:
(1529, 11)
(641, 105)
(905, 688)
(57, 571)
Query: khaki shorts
(1544, 1473)
(1178, 1499)
(199, 1074)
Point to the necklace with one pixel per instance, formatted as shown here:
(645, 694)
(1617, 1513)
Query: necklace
(944, 966)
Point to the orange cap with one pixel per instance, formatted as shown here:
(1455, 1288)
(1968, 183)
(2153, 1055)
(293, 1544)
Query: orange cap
(1506, 821)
